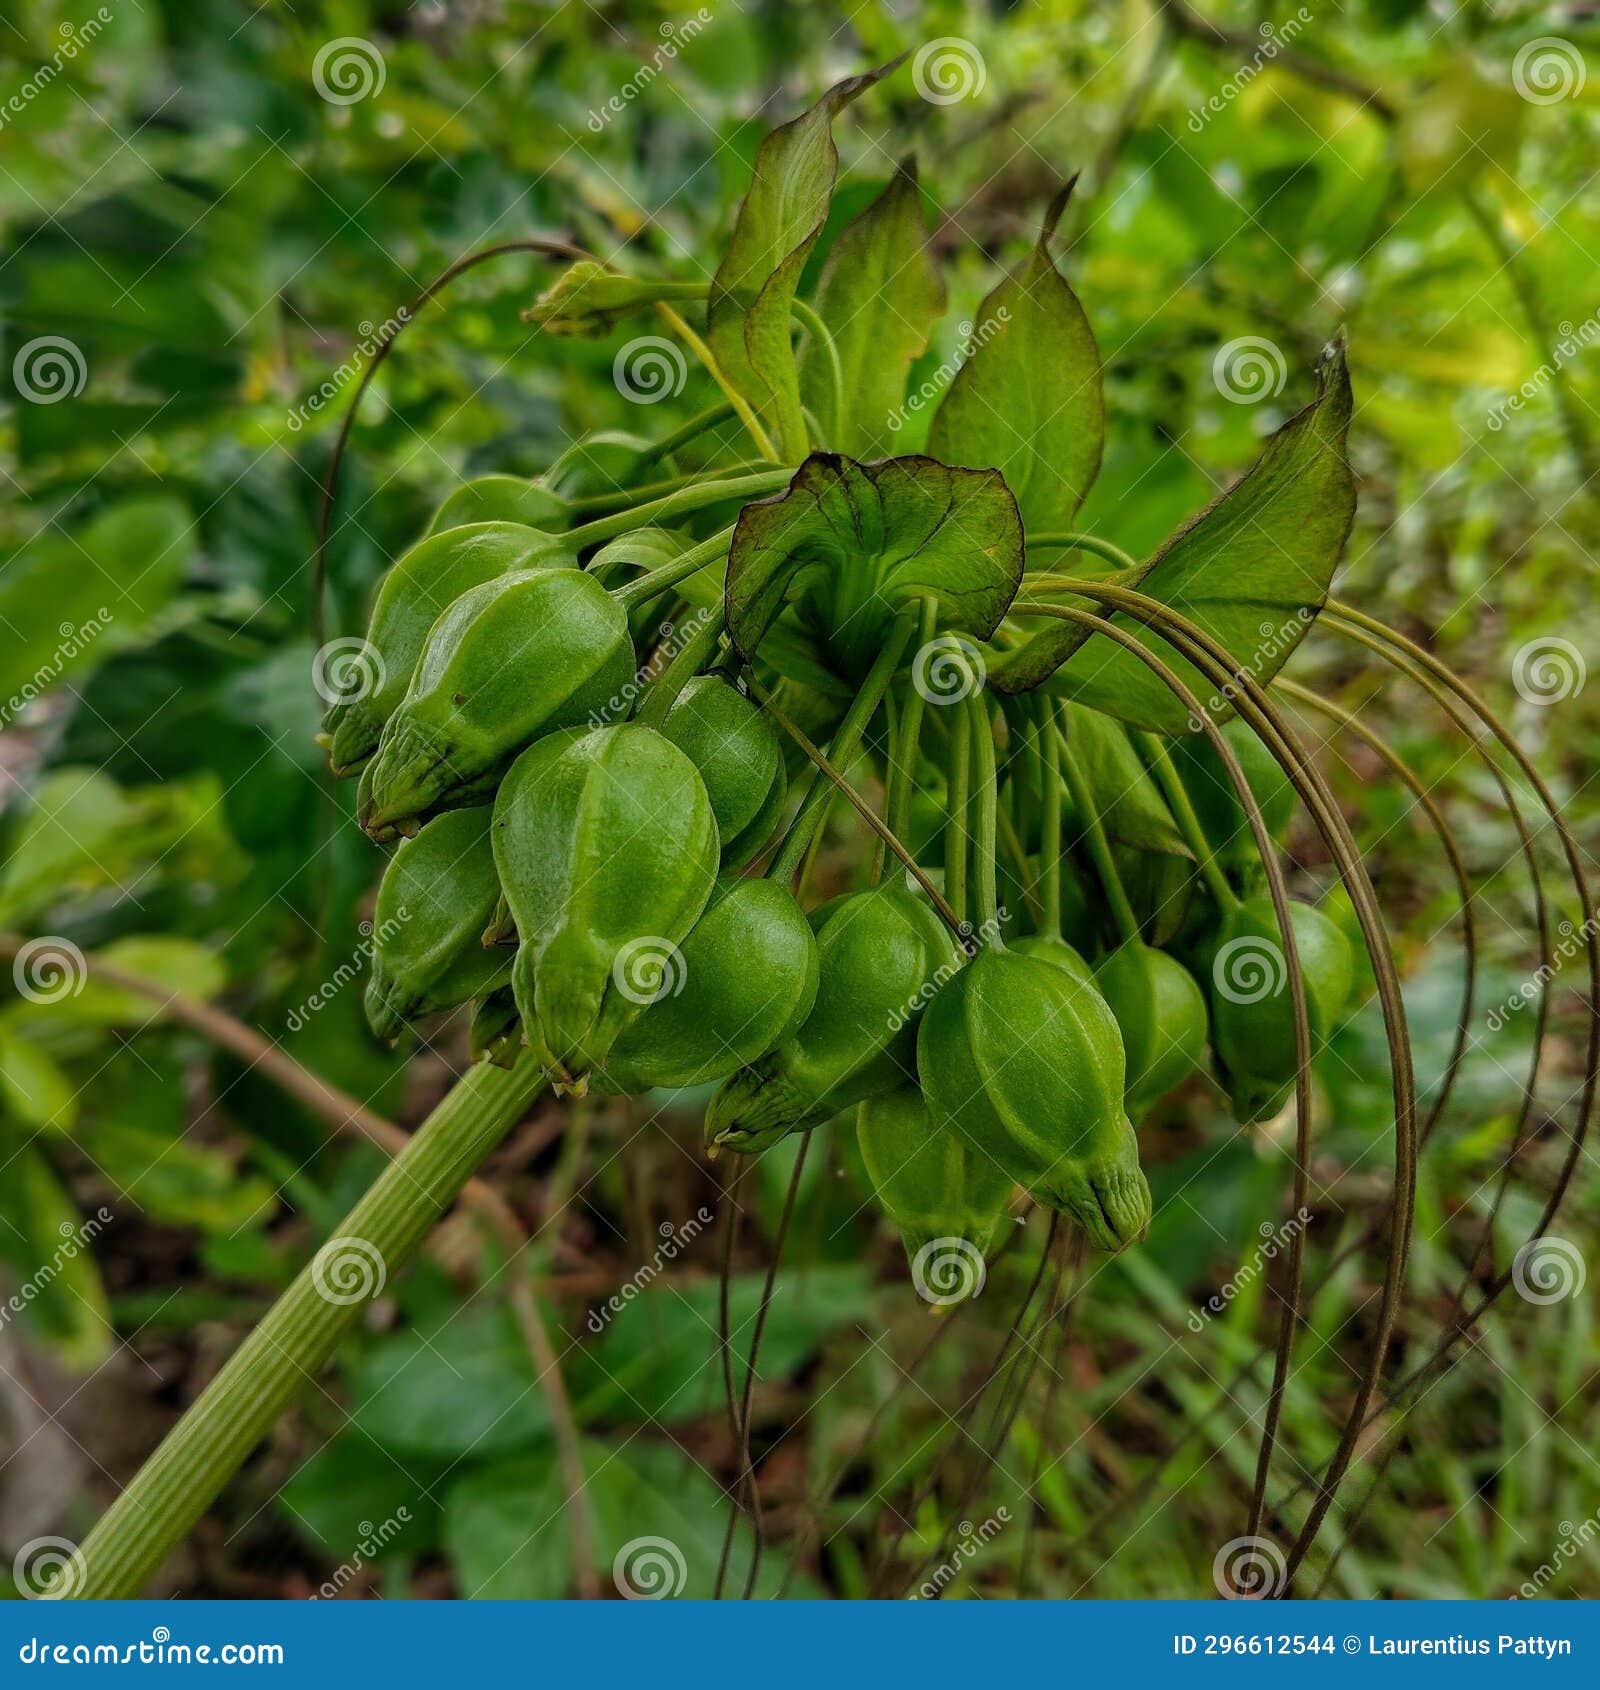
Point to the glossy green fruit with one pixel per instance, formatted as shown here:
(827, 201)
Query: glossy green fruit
(744, 979)
(1161, 1014)
(1058, 951)
(433, 900)
(607, 850)
(1252, 1017)
(415, 591)
(735, 747)
(517, 657)
(880, 956)
(1026, 1064)
(940, 1191)
(501, 498)
(1222, 816)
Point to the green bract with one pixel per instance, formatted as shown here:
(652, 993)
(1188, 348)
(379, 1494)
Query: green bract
(532, 651)
(937, 1188)
(744, 980)
(607, 850)
(435, 896)
(735, 748)
(1252, 1016)
(415, 591)
(880, 955)
(1026, 1064)
(1161, 1014)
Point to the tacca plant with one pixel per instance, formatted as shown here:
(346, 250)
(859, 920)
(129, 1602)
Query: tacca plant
(599, 834)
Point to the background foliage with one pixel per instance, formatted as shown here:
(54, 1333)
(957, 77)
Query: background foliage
(207, 245)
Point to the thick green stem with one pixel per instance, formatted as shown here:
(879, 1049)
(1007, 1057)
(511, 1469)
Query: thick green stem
(1050, 831)
(1094, 833)
(958, 791)
(692, 498)
(298, 1334)
(986, 804)
(1159, 761)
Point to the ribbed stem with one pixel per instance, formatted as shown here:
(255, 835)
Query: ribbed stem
(298, 1334)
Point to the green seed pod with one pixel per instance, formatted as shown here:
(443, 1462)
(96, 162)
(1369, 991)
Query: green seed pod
(607, 850)
(735, 748)
(415, 591)
(1161, 1014)
(880, 956)
(1026, 1064)
(517, 657)
(745, 978)
(1252, 1016)
(501, 498)
(496, 1032)
(948, 1199)
(1058, 951)
(433, 900)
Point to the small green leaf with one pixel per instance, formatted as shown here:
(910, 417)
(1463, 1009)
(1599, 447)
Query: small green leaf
(176, 1180)
(1252, 569)
(1028, 400)
(505, 1529)
(857, 541)
(33, 1087)
(879, 294)
(45, 1242)
(782, 215)
(352, 1499)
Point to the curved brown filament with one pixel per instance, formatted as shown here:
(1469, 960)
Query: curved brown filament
(1253, 706)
